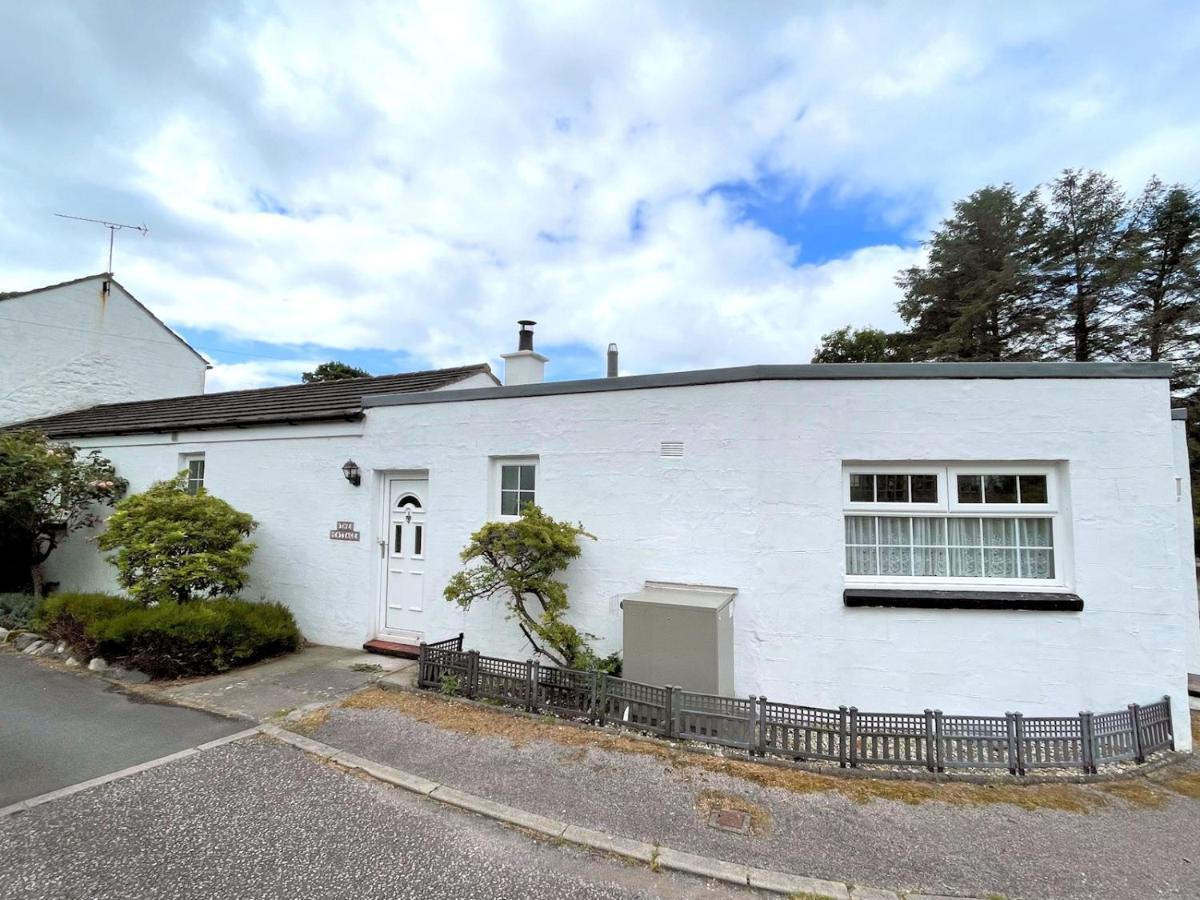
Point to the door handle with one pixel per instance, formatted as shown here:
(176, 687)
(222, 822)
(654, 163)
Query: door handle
(382, 548)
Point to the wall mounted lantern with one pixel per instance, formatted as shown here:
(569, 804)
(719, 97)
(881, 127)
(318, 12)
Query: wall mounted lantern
(352, 472)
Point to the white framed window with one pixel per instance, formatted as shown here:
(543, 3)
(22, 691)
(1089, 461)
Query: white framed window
(515, 481)
(996, 525)
(193, 465)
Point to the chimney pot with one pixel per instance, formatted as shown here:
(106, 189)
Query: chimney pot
(612, 360)
(524, 366)
(525, 335)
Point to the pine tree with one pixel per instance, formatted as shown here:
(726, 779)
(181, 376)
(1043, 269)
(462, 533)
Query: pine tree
(1085, 244)
(1162, 259)
(976, 298)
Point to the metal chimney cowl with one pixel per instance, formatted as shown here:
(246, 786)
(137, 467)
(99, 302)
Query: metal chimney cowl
(525, 366)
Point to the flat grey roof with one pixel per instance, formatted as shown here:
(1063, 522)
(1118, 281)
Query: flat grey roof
(808, 372)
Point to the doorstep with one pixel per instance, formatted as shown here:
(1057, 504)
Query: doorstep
(392, 648)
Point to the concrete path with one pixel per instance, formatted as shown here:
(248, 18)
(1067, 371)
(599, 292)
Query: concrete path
(1062, 841)
(258, 819)
(277, 686)
(59, 727)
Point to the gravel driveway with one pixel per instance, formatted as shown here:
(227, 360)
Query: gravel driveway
(256, 819)
(1095, 844)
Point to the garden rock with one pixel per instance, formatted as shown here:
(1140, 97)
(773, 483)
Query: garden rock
(72, 661)
(45, 648)
(61, 648)
(130, 676)
(4, 633)
(97, 664)
(25, 639)
(34, 646)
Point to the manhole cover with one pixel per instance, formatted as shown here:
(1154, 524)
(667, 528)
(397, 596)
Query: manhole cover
(730, 820)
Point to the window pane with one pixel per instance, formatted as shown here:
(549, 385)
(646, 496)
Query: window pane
(508, 503)
(526, 497)
(861, 561)
(862, 488)
(527, 477)
(1000, 532)
(418, 539)
(929, 532)
(508, 477)
(924, 489)
(929, 561)
(1033, 489)
(1037, 563)
(1037, 533)
(196, 469)
(894, 530)
(398, 543)
(895, 561)
(964, 532)
(1000, 489)
(1000, 563)
(891, 488)
(966, 562)
(860, 530)
(970, 489)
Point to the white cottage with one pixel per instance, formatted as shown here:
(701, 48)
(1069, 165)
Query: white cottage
(65, 346)
(974, 537)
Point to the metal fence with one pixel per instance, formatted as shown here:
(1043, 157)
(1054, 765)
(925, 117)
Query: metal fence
(846, 735)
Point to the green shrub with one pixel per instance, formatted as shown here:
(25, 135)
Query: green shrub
(172, 639)
(16, 610)
(73, 617)
(173, 545)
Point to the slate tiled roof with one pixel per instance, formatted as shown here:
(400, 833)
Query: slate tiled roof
(293, 403)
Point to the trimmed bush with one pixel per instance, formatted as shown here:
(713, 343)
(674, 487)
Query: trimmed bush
(16, 610)
(73, 617)
(172, 639)
(169, 640)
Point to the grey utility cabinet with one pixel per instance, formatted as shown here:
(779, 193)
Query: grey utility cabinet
(680, 634)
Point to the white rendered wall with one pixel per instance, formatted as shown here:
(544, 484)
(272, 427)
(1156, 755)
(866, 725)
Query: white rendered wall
(755, 503)
(72, 347)
(1187, 546)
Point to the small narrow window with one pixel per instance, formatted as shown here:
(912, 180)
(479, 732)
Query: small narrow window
(398, 543)
(193, 465)
(518, 487)
(418, 539)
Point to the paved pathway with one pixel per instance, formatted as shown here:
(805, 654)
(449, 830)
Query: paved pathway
(268, 689)
(257, 819)
(1082, 843)
(59, 727)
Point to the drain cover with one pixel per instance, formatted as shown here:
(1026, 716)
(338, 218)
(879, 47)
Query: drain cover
(730, 820)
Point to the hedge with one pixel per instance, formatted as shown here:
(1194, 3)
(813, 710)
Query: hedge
(16, 610)
(171, 640)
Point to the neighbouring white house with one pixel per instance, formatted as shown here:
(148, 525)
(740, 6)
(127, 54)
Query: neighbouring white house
(973, 537)
(70, 345)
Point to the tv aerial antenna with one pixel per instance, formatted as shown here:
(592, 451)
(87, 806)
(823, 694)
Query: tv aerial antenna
(113, 228)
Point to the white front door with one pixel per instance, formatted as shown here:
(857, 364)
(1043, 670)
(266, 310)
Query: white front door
(407, 537)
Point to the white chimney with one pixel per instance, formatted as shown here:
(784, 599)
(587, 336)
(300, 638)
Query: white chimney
(525, 366)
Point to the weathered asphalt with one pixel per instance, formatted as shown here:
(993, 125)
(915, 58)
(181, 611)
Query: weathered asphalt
(256, 819)
(59, 728)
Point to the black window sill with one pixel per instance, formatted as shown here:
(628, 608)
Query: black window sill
(952, 599)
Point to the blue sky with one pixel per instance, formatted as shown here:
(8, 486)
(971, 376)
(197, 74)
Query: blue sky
(705, 184)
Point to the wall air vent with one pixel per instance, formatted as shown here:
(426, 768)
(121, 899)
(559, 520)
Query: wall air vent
(671, 449)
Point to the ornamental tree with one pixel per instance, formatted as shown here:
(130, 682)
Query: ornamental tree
(172, 545)
(48, 490)
(518, 561)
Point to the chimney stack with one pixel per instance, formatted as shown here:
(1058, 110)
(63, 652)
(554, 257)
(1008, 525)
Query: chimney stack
(524, 366)
(612, 360)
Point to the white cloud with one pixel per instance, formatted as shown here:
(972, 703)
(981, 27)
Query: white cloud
(449, 168)
(258, 373)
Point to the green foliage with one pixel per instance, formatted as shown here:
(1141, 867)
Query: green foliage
(518, 561)
(333, 371)
(170, 639)
(173, 639)
(47, 491)
(172, 545)
(860, 345)
(74, 617)
(16, 610)
(451, 686)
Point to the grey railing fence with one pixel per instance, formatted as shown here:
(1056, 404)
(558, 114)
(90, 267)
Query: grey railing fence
(846, 735)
